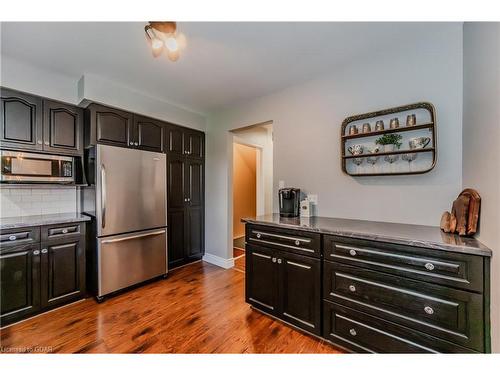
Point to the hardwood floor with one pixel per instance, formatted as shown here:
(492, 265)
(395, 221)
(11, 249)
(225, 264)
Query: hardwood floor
(199, 308)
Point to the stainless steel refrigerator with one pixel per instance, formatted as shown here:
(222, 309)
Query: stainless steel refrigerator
(128, 202)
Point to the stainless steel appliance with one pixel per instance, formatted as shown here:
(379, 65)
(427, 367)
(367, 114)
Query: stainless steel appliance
(26, 167)
(289, 202)
(128, 203)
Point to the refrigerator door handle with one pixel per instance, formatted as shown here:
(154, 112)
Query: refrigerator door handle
(103, 196)
(133, 237)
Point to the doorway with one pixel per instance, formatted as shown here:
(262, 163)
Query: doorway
(251, 182)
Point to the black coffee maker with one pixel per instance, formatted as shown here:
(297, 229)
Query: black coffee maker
(289, 202)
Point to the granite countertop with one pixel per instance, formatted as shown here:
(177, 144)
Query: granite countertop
(36, 220)
(405, 234)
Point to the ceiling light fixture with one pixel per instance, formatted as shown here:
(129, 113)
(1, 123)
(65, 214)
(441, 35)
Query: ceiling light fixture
(164, 36)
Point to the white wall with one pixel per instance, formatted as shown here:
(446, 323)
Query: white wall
(481, 137)
(306, 124)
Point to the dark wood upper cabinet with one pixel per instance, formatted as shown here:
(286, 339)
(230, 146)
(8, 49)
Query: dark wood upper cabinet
(148, 133)
(63, 271)
(20, 283)
(20, 121)
(109, 126)
(63, 128)
(174, 140)
(194, 144)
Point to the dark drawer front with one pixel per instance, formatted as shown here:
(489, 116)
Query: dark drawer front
(19, 236)
(294, 241)
(452, 269)
(61, 231)
(367, 334)
(451, 314)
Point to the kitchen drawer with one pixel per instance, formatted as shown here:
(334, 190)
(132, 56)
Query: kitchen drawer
(450, 314)
(462, 271)
(288, 240)
(19, 236)
(364, 333)
(62, 231)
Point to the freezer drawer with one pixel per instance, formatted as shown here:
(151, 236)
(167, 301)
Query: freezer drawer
(131, 190)
(128, 259)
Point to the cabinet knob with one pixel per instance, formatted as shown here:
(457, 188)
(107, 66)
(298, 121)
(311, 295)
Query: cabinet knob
(46, 143)
(131, 143)
(353, 332)
(44, 251)
(352, 252)
(258, 235)
(352, 288)
(12, 238)
(136, 144)
(297, 243)
(36, 252)
(429, 266)
(429, 310)
(39, 142)
(64, 231)
(279, 261)
(273, 260)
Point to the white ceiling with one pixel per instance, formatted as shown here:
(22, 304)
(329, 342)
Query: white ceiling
(223, 63)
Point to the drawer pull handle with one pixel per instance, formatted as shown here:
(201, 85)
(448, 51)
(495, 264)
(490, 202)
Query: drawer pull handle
(352, 288)
(12, 238)
(297, 243)
(352, 252)
(258, 235)
(274, 260)
(429, 310)
(353, 332)
(36, 252)
(44, 251)
(64, 231)
(429, 266)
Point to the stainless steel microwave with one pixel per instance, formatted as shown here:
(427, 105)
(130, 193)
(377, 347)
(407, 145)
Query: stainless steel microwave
(24, 167)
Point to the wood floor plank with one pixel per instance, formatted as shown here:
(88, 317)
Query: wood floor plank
(199, 308)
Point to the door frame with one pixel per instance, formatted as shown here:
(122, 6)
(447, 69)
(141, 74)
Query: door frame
(260, 197)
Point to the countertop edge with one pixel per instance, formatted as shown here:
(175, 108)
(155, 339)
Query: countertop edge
(47, 221)
(402, 241)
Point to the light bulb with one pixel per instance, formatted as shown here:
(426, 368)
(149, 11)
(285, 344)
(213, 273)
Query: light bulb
(171, 44)
(181, 40)
(156, 44)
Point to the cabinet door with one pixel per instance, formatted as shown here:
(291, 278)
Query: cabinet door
(176, 224)
(20, 284)
(261, 284)
(194, 225)
(194, 144)
(63, 272)
(300, 291)
(177, 196)
(195, 182)
(112, 126)
(148, 134)
(63, 128)
(174, 139)
(20, 120)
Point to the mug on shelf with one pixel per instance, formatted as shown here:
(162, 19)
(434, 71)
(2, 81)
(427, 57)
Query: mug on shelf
(353, 129)
(419, 142)
(394, 123)
(379, 125)
(367, 127)
(411, 120)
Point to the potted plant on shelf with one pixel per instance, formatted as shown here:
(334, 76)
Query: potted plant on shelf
(390, 142)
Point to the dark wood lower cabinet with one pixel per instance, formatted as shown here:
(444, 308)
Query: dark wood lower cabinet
(370, 297)
(63, 272)
(20, 283)
(38, 276)
(285, 285)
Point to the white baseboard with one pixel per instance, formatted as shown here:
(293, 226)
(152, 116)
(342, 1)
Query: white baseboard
(218, 261)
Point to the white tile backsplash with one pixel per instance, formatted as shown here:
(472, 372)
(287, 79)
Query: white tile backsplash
(25, 201)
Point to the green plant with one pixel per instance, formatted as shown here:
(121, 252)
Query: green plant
(390, 139)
